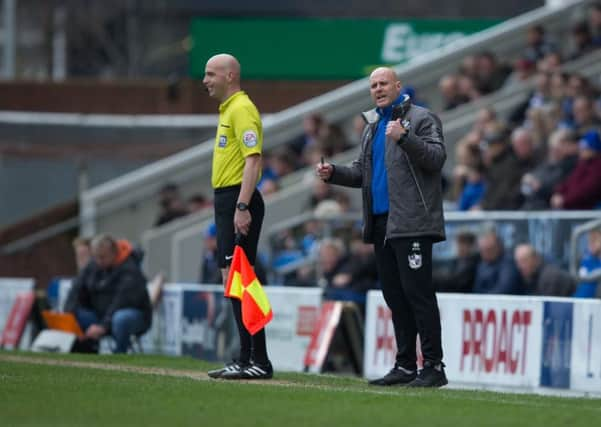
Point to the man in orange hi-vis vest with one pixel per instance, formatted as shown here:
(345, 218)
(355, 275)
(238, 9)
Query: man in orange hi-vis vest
(239, 207)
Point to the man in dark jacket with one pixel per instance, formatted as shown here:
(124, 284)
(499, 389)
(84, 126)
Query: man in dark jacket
(461, 275)
(539, 277)
(399, 172)
(581, 189)
(506, 164)
(537, 186)
(496, 272)
(109, 296)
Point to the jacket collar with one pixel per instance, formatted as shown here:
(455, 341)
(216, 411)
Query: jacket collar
(373, 115)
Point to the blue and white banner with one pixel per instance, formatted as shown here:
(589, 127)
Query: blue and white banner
(557, 344)
(585, 372)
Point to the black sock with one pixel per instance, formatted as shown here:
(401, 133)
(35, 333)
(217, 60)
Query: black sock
(245, 338)
(260, 348)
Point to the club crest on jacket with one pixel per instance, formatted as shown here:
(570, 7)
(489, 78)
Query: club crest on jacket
(415, 257)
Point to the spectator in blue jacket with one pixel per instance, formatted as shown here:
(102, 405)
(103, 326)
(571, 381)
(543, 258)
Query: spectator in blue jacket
(590, 263)
(496, 273)
(210, 271)
(474, 188)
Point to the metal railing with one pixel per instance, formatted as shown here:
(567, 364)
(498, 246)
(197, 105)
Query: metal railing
(513, 226)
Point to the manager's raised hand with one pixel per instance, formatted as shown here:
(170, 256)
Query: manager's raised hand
(395, 130)
(324, 170)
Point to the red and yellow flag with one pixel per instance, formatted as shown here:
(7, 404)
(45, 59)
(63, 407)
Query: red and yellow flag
(242, 283)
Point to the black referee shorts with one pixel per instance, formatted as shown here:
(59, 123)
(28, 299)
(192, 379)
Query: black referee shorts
(225, 208)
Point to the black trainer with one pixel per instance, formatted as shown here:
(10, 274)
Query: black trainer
(232, 367)
(432, 375)
(253, 371)
(397, 376)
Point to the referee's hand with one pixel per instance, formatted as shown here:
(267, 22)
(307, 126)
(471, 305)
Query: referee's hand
(242, 220)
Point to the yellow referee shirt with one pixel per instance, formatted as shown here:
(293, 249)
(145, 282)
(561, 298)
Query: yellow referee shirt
(239, 134)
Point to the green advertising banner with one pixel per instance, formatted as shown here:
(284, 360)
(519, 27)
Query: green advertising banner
(320, 48)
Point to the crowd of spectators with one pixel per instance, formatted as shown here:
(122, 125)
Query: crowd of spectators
(326, 253)
(484, 265)
(547, 153)
(172, 204)
(484, 73)
(319, 139)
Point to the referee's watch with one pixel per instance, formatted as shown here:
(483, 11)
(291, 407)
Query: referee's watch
(241, 206)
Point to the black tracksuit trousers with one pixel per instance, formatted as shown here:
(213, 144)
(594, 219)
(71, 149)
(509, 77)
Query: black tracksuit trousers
(405, 271)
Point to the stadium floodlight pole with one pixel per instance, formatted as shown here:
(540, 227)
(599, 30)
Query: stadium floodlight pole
(9, 52)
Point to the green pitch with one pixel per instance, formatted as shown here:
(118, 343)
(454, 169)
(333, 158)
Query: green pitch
(72, 390)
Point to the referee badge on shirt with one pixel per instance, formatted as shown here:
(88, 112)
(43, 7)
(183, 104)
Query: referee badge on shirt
(222, 141)
(250, 138)
(415, 257)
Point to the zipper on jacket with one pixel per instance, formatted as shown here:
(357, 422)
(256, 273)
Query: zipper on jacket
(368, 145)
(419, 189)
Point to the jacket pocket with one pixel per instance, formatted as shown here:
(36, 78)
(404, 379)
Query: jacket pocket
(418, 186)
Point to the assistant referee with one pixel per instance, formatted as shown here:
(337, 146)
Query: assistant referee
(239, 206)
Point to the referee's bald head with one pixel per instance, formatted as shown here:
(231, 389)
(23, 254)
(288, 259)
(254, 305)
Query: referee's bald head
(222, 76)
(226, 62)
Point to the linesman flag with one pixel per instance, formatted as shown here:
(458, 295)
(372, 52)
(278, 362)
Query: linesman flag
(242, 283)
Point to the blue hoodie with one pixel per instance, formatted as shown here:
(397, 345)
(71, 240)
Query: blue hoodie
(379, 179)
(589, 264)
